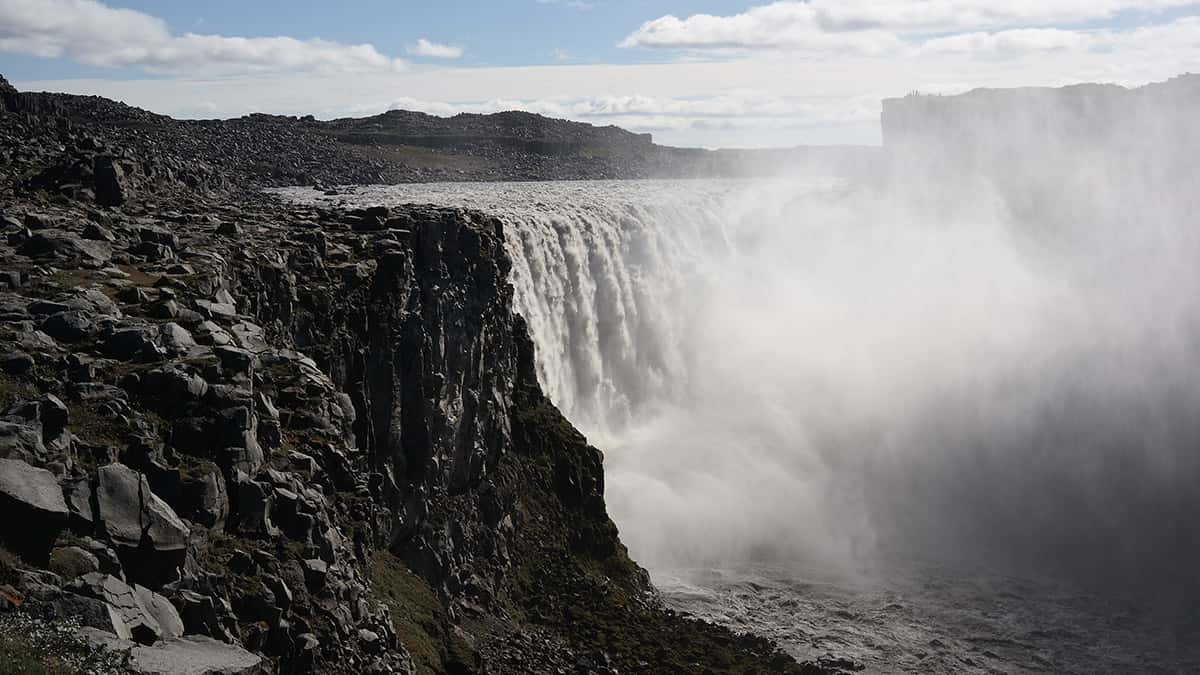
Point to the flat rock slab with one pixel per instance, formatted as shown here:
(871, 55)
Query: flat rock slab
(191, 655)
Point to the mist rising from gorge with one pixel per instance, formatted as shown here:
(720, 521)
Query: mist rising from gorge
(987, 367)
(981, 354)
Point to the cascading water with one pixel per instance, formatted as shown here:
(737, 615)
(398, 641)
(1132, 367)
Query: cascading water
(820, 376)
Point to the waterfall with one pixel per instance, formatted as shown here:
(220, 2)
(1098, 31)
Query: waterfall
(784, 370)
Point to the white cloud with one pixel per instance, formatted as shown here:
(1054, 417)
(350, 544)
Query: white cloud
(91, 32)
(872, 26)
(434, 50)
(1010, 42)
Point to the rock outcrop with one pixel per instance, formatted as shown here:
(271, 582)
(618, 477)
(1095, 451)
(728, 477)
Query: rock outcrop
(33, 507)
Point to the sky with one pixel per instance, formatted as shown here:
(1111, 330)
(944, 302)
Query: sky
(708, 73)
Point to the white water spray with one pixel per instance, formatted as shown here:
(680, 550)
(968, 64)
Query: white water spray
(785, 370)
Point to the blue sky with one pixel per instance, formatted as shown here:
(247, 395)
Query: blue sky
(708, 73)
(496, 33)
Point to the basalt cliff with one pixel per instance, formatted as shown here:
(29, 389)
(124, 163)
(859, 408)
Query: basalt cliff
(240, 436)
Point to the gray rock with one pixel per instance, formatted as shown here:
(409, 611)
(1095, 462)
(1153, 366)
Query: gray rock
(163, 611)
(22, 441)
(126, 344)
(253, 515)
(217, 310)
(249, 336)
(315, 573)
(205, 500)
(97, 233)
(153, 252)
(150, 537)
(68, 326)
(172, 388)
(201, 615)
(209, 333)
(191, 655)
(68, 245)
(131, 619)
(33, 509)
(112, 185)
(47, 307)
(16, 363)
(157, 235)
(176, 339)
(78, 494)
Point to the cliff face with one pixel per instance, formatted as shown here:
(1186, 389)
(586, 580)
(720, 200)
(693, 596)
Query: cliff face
(1069, 157)
(283, 439)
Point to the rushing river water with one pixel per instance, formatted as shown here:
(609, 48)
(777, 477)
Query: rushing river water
(821, 372)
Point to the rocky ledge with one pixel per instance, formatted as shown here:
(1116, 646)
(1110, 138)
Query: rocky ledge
(239, 436)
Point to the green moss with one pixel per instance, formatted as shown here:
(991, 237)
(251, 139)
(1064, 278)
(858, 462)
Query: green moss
(421, 622)
(68, 563)
(95, 427)
(13, 391)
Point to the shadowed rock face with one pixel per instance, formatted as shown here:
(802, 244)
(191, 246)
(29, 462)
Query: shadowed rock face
(33, 507)
(317, 434)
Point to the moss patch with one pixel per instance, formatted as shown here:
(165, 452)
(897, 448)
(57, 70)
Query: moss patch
(12, 391)
(95, 427)
(421, 622)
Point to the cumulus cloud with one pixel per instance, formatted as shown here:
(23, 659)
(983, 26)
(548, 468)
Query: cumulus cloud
(880, 26)
(91, 32)
(434, 50)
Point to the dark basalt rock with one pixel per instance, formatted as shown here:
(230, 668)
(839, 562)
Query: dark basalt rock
(65, 245)
(33, 507)
(150, 537)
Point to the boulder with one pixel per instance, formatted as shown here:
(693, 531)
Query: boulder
(33, 509)
(51, 243)
(15, 363)
(129, 616)
(163, 611)
(69, 326)
(176, 339)
(112, 185)
(253, 514)
(127, 344)
(191, 655)
(78, 494)
(150, 538)
(157, 235)
(97, 233)
(170, 388)
(51, 415)
(201, 615)
(204, 499)
(22, 441)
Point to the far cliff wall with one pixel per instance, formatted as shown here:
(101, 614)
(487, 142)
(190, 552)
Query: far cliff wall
(1128, 150)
